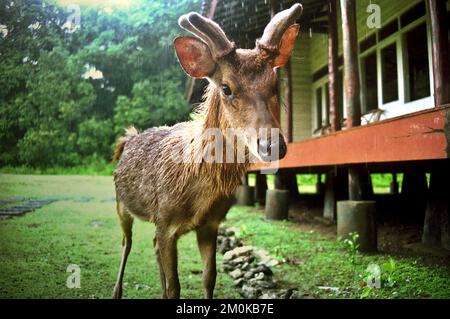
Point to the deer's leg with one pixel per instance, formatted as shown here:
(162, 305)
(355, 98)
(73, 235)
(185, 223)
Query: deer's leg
(126, 222)
(207, 238)
(167, 259)
(161, 270)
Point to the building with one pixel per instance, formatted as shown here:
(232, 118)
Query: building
(373, 98)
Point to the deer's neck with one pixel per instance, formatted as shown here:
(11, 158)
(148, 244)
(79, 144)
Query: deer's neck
(224, 175)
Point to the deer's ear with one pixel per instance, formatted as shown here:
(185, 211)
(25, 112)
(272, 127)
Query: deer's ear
(286, 45)
(194, 56)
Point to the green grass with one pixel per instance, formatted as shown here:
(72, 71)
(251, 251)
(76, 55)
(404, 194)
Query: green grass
(100, 168)
(315, 260)
(37, 248)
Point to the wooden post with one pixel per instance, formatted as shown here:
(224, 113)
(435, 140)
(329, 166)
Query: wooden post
(393, 187)
(333, 71)
(440, 50)
(351, 70)
(436, 222)
(281, 181)
(414, 195)
(288, 100)
(244, 179)
(260, 188)
(356, 177)
(336, 189)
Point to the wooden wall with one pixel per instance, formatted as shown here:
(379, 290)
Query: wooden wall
(311, 54)
(301, 87)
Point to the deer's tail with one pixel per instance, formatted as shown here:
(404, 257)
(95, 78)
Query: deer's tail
(129, 133)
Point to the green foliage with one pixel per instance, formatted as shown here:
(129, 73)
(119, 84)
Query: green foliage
(350, 246)
(51, 113)
(153, 103)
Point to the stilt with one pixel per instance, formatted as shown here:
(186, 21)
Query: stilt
(336, 189)
(277, 200)
(414, 198)
(393, 187)
(319, 185)
(436, 222)
(245, 194)
(260, 188)
(277, 204)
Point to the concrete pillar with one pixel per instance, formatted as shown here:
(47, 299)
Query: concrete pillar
(277, 204)
(336, 188)
(245, 195)
(358, 216)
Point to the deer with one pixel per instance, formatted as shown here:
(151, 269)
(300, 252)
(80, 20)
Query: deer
(179, 197)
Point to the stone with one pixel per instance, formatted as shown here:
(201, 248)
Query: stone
(268, 295)
(267, 284)
(229, 232)
(239, 282)
(237, 273)
(269, 262)
(250, 292)
(249, 274)
(239, 260)
(264, 269)
(238, 251)
(259, 276)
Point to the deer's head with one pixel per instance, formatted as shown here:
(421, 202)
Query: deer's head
(246, 79)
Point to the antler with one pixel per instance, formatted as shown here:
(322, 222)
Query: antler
(208, 31)
(273, 32)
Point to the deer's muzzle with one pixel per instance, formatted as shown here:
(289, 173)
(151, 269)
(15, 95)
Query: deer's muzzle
(272, 149)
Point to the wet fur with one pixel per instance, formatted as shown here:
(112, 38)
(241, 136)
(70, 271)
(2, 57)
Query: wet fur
(153, 187)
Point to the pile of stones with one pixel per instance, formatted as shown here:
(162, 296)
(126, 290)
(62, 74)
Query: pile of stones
(250, 268)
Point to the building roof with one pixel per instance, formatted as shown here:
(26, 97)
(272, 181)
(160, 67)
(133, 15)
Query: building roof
(244, 20)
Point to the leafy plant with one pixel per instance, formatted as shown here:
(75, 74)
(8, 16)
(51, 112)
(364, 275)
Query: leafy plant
(389, 270)
(350, 245)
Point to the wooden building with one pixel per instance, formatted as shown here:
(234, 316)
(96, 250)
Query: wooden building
(366, 90)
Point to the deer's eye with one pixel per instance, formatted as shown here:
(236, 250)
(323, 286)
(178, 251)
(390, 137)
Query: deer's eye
(226, 90)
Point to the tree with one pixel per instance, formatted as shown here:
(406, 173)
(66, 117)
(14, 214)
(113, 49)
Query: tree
(51, 111)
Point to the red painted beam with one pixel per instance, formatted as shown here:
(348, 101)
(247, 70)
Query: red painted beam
(418, 136)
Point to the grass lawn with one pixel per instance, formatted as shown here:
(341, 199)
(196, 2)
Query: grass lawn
(81, 229)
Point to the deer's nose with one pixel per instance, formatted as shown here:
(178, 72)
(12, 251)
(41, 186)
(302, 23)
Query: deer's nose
(268, 148)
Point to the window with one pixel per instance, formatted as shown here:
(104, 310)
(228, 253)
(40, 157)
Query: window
(418, 77)
(413, 14)
(370, 82)
(369, 42)
(388, 30)
(389, 73)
